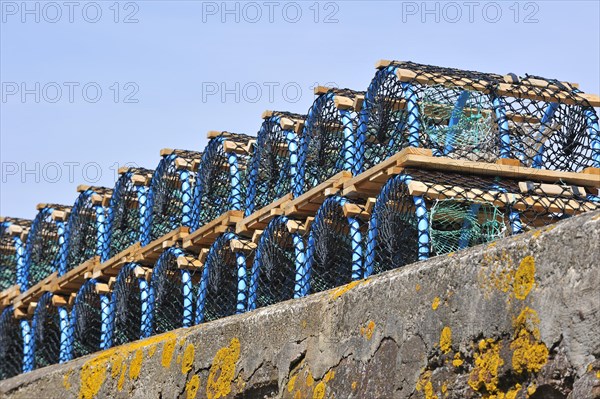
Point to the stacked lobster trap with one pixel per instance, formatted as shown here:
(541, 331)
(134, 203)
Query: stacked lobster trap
(426, 162)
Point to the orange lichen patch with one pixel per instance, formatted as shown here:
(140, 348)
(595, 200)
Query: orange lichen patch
(497, 271)
(487, 362)
(298, 395)
(424, 384)
(531, 389)
(436, 303)
(368, 330)
(94, 371)
(167, 352)
(329, 376)
(457, 361)
(354, 385)
(291, 383)
(222, 370)
(136, 364)
(418, 287)
(446, 340)
(345, 288)
(319, 392)
(529, 353)
(66, 379)
(598, 375)
(191, 387)
(524, 277)
(188, 359)
(444, 389)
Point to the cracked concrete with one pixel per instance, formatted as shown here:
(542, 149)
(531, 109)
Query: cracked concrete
(512, 320)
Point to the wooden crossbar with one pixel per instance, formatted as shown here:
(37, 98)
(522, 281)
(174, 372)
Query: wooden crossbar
(149, 254)
(72, 280)
(205, 235)
(308, 203)
(261, 218)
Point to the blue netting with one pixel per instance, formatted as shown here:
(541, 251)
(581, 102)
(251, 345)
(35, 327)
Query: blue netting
(129, 307)
(274, 162)
(14, 336)
(335, 247)
(223, 288)
(50, 329)
(12, 251)
(127, 212)
(278, 268)
(172, 293)
(89, 320)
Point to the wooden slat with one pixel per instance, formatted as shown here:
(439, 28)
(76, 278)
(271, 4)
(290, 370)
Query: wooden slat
(148, 254)
(112, 266)
(74, 278)
(205, 235)
(551, 189)
(35, 292)
(261, 218)
(310, 201)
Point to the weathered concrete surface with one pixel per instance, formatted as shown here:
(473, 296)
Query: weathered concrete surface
(516, 319)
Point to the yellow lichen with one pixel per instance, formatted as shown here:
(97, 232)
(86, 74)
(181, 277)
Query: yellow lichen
(191, 387)
(598, 375)
(291, 383)
(487, 363)
(418, 287)
(513, 392)
(436, 303)
(424, 384)
(529, 354)
(152, 351)
(94, 371)
(367, 331)
(446, 340)
(298, 395)
(188, 359)
(524, 278)
(66, 379)
(136, 364)
(167, 353)
(343, 289)
(329, 376)
(121, 381)
(444, 388)
(354, 385)
(319, 392)
(222, 370)
(531, 389)
(457, 361)
(309, 379)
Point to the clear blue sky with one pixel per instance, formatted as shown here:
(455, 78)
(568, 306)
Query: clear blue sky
(179, 53)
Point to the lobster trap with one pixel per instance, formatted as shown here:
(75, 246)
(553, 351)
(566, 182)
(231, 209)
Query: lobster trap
(14, 345)
(50, 331)
(86, 229)
(221, 177)
(127, 211)
(328, 143)
(12, 251)
(335, 245)
(173, 291)
(223, 287)
(419, 214)
(129, 307)
(170, 197)
(277, 272)
(541, 123)
(90, 319)
(274, 161)
(45, 244)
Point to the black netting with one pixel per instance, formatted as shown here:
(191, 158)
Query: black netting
(127, 211)
(86, 320)
(277, 272)
(43, 246)
(223, 276)
(476, 116)
(86, 223)
(12, 250)
(11, 345)
(420, 214)
(46, 328)
(328, 141)
(173, 291)
(221, 178)
(335, 245)
(129, 301)
(171, 191)
(274, 160)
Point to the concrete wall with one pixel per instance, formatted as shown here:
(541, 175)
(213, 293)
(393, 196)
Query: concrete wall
(515, 319)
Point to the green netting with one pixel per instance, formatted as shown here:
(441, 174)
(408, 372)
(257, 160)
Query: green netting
(457, 225)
